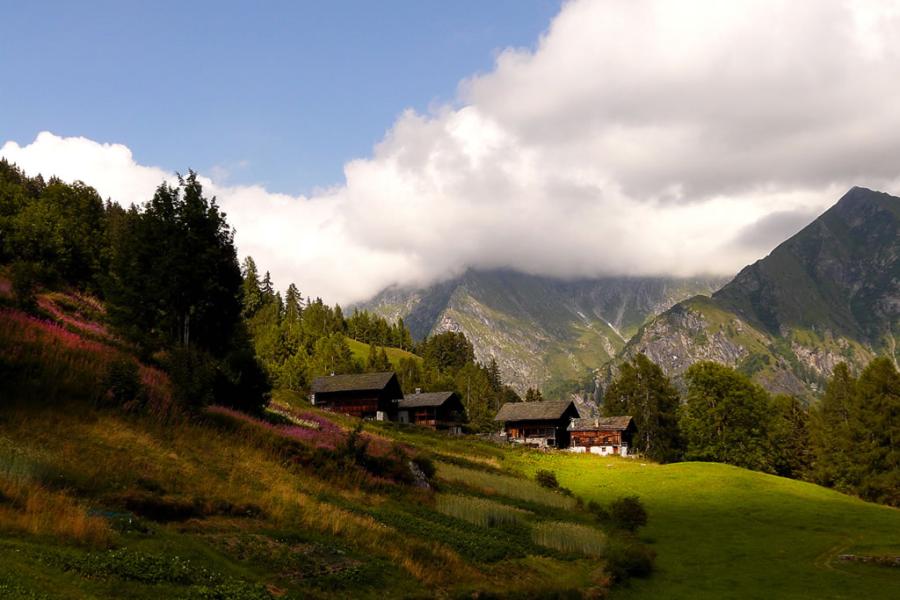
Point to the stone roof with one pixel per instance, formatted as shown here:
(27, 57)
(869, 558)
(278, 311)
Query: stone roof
(357, 382)
(601, 424)
(422, 399)
(533, 411)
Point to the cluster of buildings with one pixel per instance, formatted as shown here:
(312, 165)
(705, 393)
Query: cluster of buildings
(547, 424)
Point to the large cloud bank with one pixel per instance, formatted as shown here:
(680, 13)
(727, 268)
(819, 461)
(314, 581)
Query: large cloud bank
(638, 137)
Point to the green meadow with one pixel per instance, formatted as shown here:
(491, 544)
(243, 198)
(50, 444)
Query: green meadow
(724, 532)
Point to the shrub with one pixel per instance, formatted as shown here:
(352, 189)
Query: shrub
(597, 509)
(628, 513)
(122, 381)
(193, 376)
(546, 479)
(629, 559)
(426, 465)
(25, 277)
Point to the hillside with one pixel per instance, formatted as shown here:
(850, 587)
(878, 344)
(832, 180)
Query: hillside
(361, 352)
(102, 498)
(724, 532)
(542, 331)
(830, 293)
(99, 500)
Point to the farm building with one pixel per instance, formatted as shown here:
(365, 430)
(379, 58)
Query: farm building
(602, 435)
(365, 395)
(542, 424)
(437, 410)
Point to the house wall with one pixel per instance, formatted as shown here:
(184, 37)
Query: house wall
(538, 432)
(357, 404)
(599, 442)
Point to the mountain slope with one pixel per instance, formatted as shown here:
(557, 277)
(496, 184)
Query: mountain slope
(542, 331)
(830, 293)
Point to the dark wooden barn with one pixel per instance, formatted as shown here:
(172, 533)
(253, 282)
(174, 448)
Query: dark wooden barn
(365, 395)
(437, 410)
(538, 423)
(602, 435)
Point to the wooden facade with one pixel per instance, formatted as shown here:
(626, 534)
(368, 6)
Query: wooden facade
(602, 435)
(366, 395)
(542, 424)
(436, 410)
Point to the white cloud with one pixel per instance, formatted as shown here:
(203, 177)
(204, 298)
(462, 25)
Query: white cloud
(639, 137)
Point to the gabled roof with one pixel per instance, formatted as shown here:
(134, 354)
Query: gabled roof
(601, 424)
(423, 399)
(534, 411)
(359, 382)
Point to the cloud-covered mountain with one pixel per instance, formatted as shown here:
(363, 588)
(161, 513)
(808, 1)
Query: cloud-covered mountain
(542, 331)
(831, 293)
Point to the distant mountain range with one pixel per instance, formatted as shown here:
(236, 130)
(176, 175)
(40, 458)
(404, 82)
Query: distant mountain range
(543, 332)
(830, 293)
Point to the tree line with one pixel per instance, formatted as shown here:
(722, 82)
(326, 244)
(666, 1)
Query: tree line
(299, 339)
(848, 440)
(167, 271)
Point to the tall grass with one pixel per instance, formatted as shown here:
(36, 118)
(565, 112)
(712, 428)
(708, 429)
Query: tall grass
(504, 485)
(26, 505)
(479, 511)
(48, 363)
(570, 538)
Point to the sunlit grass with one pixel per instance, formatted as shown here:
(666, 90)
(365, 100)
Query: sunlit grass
(504, 485)
(479, 511)
(570, 538)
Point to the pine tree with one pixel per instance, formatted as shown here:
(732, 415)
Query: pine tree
(252, 296)
(533, 395)
(493, 373)
(832, 432)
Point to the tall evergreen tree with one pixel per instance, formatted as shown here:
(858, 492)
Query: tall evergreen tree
(252, 295)
(833, 431)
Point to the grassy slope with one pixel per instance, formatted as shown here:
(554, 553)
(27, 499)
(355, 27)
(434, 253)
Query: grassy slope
(719, 531)
(723, 532)
(361, 352)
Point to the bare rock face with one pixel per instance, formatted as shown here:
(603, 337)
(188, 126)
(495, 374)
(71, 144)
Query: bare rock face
(830, 294)
(543, 332)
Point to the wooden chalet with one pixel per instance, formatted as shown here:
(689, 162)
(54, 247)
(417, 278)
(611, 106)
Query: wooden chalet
(364, 395)
(542, 424)
(437, 410)
(602, 435)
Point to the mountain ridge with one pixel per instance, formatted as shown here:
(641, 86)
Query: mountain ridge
(829, 294)
(543, 331)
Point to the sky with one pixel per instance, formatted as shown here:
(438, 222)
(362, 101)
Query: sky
(360, 145)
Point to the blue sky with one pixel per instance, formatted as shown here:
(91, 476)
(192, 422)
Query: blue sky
(276, 93)
(637, 137)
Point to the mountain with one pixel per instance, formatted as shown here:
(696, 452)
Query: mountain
(542, 331)
(830, 293)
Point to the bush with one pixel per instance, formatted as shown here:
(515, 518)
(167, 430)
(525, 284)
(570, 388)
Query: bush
(546, 479)
(193, 375)
(628, 513)
(122, 381)
(597, 509)
(629, 559)
(426, 465)
(24, 278)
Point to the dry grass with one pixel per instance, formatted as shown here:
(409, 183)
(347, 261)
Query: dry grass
(570, 537)
(504, 485)
(479, 511)
(26, 505)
